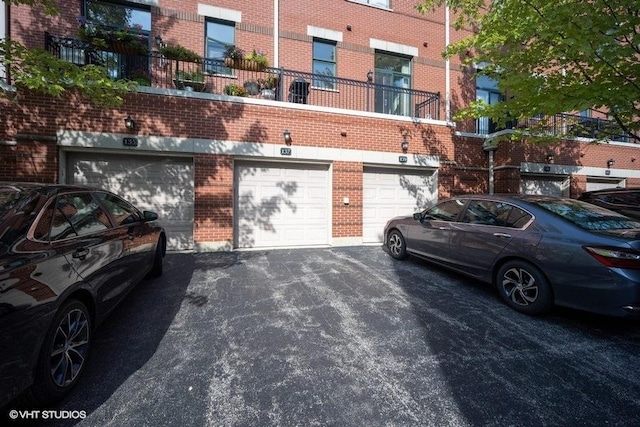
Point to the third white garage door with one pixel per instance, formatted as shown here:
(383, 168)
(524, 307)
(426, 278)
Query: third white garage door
(391, 192)
(281, 204)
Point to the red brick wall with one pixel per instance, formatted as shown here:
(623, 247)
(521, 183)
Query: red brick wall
(347, 182)
(213, 210)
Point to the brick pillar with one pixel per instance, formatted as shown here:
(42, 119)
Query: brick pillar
(213, 210)
(347, 182)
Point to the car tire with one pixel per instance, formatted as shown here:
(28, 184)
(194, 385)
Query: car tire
(524, 288)
(156, 269)
(64, 354)
(397, 245)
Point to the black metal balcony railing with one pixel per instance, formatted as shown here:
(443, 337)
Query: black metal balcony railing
(212, 76)
(562, 124)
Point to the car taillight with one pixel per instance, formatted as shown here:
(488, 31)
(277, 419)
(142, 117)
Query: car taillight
(615, 257)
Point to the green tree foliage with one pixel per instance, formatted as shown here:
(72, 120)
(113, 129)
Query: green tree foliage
(552, 56)
(39, 71)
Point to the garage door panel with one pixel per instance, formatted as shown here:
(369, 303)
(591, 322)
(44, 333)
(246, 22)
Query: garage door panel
(280, 204)
(545, 185)
(388, 193)
(160, 184)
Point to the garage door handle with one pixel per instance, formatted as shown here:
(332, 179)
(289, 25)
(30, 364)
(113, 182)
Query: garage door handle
(81, 254)
(504, 235)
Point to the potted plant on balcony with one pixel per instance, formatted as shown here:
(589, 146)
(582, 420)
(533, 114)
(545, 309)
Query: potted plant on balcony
(141, 77)
(235, 57)
(179, 53)
(235, 90)
(252, 87)
(190, 80)
(268, 85)
(127, 40)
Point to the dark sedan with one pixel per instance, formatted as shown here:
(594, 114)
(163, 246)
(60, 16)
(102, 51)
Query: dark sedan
(538, 251)
(622, 200)
(68, 255)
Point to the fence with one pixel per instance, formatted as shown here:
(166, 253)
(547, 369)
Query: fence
(214, 76)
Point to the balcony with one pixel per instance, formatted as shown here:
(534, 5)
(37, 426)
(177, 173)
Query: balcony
(562, 124)
(278, 84)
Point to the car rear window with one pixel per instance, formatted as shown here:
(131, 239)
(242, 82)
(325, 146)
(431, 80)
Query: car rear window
(587, 216)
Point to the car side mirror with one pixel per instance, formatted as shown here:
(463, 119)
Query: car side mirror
(150, 216)
(417, 216)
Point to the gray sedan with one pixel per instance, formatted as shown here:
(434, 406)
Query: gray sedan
(537, 250)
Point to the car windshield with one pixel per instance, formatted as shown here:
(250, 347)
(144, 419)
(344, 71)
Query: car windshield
(589, 217)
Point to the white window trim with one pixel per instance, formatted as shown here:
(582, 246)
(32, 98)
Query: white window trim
(365, 3)
(324, 33)
(219, 13)
(402, 49)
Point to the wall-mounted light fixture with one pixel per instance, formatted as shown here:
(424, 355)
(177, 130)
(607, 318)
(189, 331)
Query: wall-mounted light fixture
(129, 123)
(348, 27)
(159, 41)
(549, 157)
(370, 76)
(404, 145)
(610, 162)
(287, 137)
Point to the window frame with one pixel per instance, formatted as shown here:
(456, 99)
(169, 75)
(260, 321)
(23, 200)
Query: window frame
(319, 82)
(213, 68)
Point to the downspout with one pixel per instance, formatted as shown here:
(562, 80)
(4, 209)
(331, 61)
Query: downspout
(276, 33)
(4, 25)
(491, 179)
(447, 66)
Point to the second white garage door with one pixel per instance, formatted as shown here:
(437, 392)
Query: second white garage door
(160, 184)
(281, 204)
(391, 192)
(544, 185)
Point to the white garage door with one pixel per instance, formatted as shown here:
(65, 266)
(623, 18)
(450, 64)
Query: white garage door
(388, 193)
(160, 184)
(594, 183)
(544, 185)
(280, 204)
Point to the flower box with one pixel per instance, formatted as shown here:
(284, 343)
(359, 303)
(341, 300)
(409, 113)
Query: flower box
(244, 64)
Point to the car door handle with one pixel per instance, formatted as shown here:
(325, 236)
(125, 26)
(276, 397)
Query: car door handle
(503, 235)
(81, 253)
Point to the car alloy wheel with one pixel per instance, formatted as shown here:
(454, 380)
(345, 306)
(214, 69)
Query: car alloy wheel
(520, 286)
(396, 244)
(70, 347)
(524, 288)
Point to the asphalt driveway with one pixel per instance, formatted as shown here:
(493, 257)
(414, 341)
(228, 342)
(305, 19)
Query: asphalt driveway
(348, 337)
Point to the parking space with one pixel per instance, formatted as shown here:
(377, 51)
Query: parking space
(349, 337)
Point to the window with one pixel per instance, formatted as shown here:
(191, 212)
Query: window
(114, 16)
(324, 64)
(393, 84)
(219, 35)
(122, 212)
(76, 215)
(487, 212)
(487, 91)
(380, 3)
(446, 211)
(589, 217)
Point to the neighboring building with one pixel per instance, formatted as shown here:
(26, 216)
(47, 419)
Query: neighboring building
(349, 126)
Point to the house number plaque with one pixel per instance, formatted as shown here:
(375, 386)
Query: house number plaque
(130, 142)
(285, 151)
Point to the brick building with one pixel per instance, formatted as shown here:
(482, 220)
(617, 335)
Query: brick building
(354, 129)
